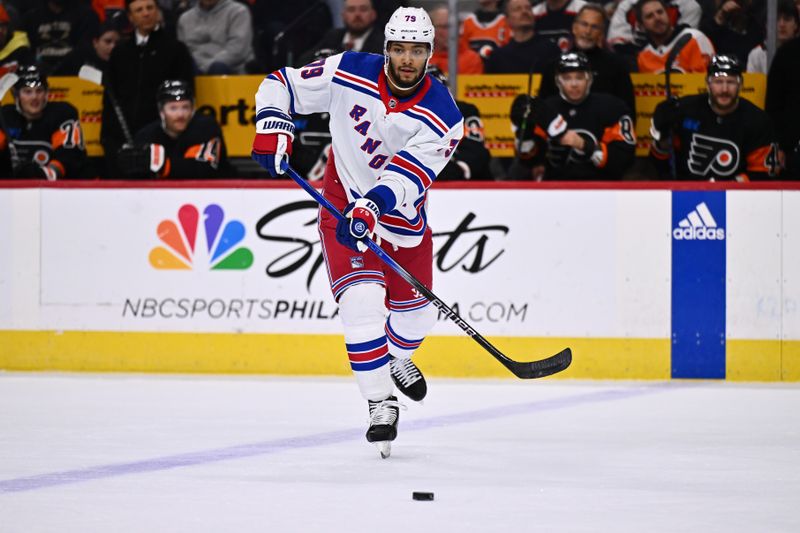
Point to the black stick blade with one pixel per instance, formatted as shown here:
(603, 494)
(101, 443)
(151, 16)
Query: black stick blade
(543, 367)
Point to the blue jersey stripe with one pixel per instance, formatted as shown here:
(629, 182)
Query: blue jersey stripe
(355, 87)
(417, 162)
(391, 167)
(424, 120)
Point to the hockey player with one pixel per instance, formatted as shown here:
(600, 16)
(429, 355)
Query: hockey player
(393, 130)
(580, 135)
(40, 139)
(718, 136)
(180, 145)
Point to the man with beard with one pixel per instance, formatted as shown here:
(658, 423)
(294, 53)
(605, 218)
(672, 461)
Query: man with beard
(181, 144)
(578, 134)
(526, 52)
(715, 136)
(609, 72)
(358, 34)
(653, 16)
(393, 130)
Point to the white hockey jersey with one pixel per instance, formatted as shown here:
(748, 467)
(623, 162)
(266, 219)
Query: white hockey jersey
(376, 138)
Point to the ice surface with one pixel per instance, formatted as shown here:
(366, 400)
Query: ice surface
(131, 453)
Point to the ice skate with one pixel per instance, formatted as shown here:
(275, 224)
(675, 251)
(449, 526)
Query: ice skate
(407, 378)
(383, 417)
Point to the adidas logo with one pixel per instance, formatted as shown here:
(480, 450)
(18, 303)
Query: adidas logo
(699, 225)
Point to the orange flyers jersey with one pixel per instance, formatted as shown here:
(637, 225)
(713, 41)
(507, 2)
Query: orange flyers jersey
(484, 37)
(694, 57)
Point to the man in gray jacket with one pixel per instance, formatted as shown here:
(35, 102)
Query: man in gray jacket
(219, 35)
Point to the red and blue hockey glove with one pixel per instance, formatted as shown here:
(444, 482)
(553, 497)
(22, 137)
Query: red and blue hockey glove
(361, 216)
(273, 142)
(359, 223)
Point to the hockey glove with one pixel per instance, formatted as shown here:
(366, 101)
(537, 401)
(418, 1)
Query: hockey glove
(273, 142)
(143, 162)
(361, 216)
(665, 118)
(31, 169)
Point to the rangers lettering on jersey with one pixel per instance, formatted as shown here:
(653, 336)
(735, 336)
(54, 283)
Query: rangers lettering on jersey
(377, 138)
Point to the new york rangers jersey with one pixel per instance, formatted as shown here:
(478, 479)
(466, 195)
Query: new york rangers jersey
(376, 137)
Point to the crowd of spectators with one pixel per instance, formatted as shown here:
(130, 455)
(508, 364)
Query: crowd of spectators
(138, 46)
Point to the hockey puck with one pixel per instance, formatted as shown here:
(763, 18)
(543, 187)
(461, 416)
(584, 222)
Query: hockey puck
(423, 496)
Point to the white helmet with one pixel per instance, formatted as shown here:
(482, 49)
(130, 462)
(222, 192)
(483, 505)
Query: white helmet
(409, 25)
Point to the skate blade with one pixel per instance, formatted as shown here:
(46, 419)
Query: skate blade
(385, 448)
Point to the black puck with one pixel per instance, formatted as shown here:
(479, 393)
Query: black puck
(422, 496)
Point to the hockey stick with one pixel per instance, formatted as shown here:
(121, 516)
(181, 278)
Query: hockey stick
(7, 82)
(524, 370)
(673, 54)
(93, 75)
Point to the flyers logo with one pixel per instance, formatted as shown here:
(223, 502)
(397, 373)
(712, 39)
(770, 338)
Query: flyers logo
(710, 154)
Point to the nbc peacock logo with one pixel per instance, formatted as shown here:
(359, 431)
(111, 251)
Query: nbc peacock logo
(183, 249)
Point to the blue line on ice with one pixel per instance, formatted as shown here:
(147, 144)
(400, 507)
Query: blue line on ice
(52, 479)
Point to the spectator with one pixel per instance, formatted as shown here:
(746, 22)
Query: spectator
(135, 71)
(469, 61)
(40, 139)
(610, 73)
(358, 34)
(486, 29)
(788, 29)
(181, 144)
(784, 106)
(98, 56)
(526, 52)
(15, 48)
(577, 134)
(626, 36)
(554, 20)
(734, 28)
(58, 27)
(662, 35)
(714, 136)
(219, 36)
(471, 159)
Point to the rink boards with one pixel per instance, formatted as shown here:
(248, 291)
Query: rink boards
(644, 282)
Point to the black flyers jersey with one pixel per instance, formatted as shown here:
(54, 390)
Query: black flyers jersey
(54, 141)
(197, 153)
(602, 120)
(740, 146)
